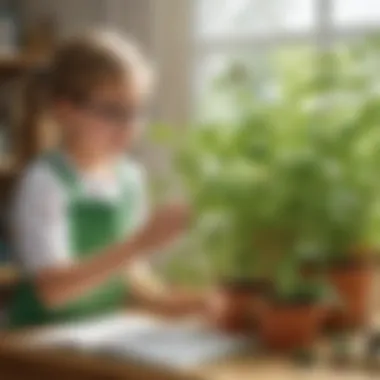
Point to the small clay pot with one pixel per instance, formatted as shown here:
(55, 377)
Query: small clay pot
(235, 305)
(290, 326)
(352, 280)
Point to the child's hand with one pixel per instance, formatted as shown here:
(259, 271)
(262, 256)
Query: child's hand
(178, 304)
(183, 303)
(165, 225)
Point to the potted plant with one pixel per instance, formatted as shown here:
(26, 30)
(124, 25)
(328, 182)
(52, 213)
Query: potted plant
(221, 185)
(292, 317)
(253, 187)
(348, 250)
(348, 136)
(281, 180)
(252, 184)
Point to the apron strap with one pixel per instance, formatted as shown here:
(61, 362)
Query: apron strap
(65, 173)
(128, 196)
(69, 177)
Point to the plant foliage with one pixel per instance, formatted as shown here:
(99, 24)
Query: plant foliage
(290, 177)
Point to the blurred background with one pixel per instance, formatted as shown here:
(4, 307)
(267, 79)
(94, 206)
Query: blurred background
(202, 51)
(193, 41)
(272, 109)
(194, 44)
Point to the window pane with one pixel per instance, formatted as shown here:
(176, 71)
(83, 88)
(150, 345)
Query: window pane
(218, 18)
(214, 102)
(261, 73)
(356, 12)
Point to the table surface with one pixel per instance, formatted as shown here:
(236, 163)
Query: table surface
(17, 360)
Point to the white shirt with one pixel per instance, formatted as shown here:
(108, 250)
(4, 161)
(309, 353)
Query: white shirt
(39, 213)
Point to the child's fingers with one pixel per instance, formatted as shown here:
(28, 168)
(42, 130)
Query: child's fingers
(165, 225)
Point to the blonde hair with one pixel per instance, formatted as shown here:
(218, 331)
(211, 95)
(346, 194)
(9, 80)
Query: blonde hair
(79, 66)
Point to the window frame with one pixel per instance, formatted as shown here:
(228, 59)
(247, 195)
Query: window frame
(322, 36)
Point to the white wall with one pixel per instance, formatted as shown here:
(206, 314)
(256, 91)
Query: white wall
(173, 53)
(71, 15)
(133, 17)
(130, 16)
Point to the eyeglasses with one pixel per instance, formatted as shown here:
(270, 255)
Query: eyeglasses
(114, 113)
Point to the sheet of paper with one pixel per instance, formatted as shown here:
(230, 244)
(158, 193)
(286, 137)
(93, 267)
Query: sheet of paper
(140, 338)
(178, 345)
(95, 331)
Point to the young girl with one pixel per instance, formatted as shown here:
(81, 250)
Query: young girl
(80, 215)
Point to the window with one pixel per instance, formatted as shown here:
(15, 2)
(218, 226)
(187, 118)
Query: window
(240, 17)
(354, 13)
(256, 34)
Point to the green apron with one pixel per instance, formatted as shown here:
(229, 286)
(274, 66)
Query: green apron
(93, 224)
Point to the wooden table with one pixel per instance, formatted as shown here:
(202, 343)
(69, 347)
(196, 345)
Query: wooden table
(18, 361)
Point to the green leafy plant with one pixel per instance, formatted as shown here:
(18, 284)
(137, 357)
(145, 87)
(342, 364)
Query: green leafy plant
(287, 178)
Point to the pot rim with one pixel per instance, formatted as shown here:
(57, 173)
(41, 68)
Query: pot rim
(349, 263)
(301, 302)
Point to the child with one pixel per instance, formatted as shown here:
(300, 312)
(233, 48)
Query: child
(80, 213)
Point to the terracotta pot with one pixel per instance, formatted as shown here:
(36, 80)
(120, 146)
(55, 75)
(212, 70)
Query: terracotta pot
(235, 305)
(285, 327)
(352, 282)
